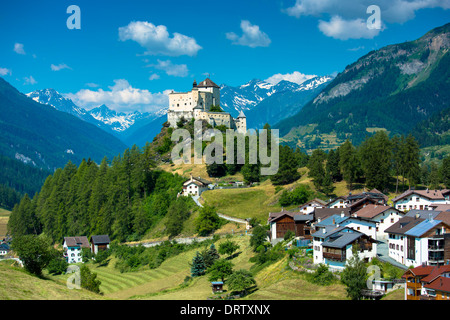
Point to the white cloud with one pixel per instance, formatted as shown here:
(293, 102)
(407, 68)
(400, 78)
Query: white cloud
(296, 77)
(176, 70)
(157, 40)
(60, 67)
(5, 72)
(18, 48)
(251, 36)
(347, 13)
(92, 85)
(121, 97)
(30, 80)
(154, 76)
(339, 28)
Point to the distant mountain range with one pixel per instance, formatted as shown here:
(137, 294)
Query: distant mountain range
(47, 138)
(391, 89)
(264, 103)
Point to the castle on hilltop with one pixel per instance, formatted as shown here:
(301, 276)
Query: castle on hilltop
(197, 103)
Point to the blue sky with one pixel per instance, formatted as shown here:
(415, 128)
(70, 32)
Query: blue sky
(128, 54)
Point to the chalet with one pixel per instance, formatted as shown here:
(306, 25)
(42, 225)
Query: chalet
(384, 216)
(99, 243)
(333, 246)
(415, 240)
(357, 201)
(356, 223)
(339, 202)
(195, 186)
(284, 221)
(427, 283)
(217, 286)
(309, 207)
(421, 199)
(73, 248)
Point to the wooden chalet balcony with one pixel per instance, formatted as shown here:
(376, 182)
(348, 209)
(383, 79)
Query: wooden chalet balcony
(413, 285)
(334, 256)
(427, 298)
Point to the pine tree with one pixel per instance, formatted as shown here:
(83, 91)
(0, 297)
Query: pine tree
(354, 275)
(349, 163)
(445, 171)
(198, 267)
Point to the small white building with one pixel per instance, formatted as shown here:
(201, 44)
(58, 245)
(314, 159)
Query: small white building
(73, 248)
(309, 207)
(339, 202)
(421, 199)
(195, 186)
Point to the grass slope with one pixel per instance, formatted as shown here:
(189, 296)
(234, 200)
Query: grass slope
(16, 284)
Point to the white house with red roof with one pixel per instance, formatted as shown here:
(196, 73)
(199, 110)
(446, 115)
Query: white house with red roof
(421, 199)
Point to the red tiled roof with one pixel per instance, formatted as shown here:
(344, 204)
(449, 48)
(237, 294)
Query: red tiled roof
(420, 271)
(436, 272)
(439, 284)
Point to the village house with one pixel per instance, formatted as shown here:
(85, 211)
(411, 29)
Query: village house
(73, 248)
(427, 283)
(309, 207)
(421, 199)
(384, 216)
(419, 238)
(195, 186)
(282, 222)
(333, 246)
(356, 223)
(99, 243)
(357, 201)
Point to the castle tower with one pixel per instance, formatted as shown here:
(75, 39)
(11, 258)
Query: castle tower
(209, 86)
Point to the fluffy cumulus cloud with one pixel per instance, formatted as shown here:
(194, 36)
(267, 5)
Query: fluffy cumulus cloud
(59, 67)
(349, 17)
(339, 28)
(171, 69)
(121, 97)
(296, 77)
(5, 72)
(251, 36)
(18, 48)
(157, 40)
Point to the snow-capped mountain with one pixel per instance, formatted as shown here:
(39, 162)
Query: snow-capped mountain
(102, 116)
(249, 95)
(283, 100)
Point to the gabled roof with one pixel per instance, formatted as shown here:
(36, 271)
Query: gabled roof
(103, 239)
(403, 225)
(342, 240)
(198, 181)
(372, 210)
(207, 83)
(323, 213)
(436, 272)
(444, 216)
(425, 214)
(419, 271)
(77, 242)
(423, 227)
(316, 200)
(429, 194)
(276, 215)
(303, 217)
(439, 284)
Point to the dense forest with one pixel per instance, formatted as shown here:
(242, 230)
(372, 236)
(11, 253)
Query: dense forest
(123, 198)
(17, 179)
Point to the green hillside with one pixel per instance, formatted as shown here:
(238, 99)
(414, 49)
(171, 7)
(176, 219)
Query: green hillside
(393, 88)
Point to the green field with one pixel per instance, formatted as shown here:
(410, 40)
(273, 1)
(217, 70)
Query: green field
(4, 217)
